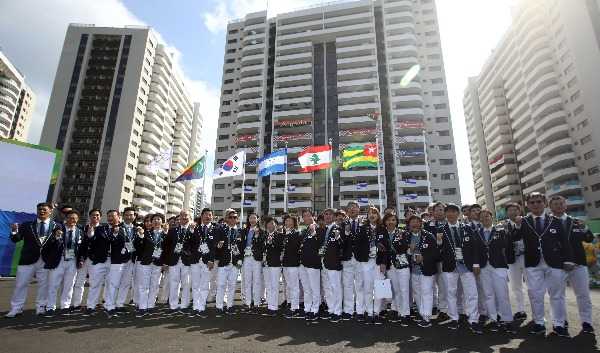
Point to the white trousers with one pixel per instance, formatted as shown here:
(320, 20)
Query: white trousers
(200, 278)
(252, 279)
(400, 279)
(516, 274)
(134, 284)
(579, 280)
(468, 297)
(310, 279)
(25, 274)
(439, 295)
(325, 290)
(98, 274)
(212, 286)
(226, 281)
(179, 286)
(495, 293)
(292, 286)
(334, 297)
(543, 278)
(62, 277)
(163, 292)
(352, 282)
(481, 307)
(369, 272)
(148, 279)
(272, 275)
(119, 283)
(79, 286)
(423, 293)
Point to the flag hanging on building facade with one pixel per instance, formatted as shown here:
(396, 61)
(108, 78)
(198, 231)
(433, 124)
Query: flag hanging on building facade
(275, 162)
(315, 158)
(193, 171)
(360, 155)
(161, 161)
(233, 166)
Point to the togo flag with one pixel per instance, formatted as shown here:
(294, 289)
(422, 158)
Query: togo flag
(233, 166)
(315, 158)
(275, 162)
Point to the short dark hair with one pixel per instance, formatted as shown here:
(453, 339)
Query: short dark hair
(268, 219)
(340, 213)
(475, 205)
(438, 204)
(452, 206)
(113, 211)
(127, 209)
(488, 211)
(45, 204)
(148, 217)
(293, 218)
(512, 204)
(413, 217)
(320, 218)
(204, 210)
(410, 209)
(535, 195)
(73, 212)
(65, 206)
(158, 215)
(332, 210)
(352, 203)
(556, 197)
(465, 208)
(307, 210)
(95, 210)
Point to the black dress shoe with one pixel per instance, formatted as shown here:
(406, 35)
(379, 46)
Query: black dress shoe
(453, 325)
(476, 328)
(442, 316)
(424, 323)
(335, 318)
(219, 313)
(405, 321)
(586, 327)
(346, 317)
(520, 316)
(561, 331)
(537, 329)
(49, 313)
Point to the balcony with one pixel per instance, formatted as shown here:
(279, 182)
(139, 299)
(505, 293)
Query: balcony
(250, 204)
(414, 183)
(565, 187)
(559, 146)
(409, 199)
(144, 191)
(292, 176)
(249, 115)
(575, 201)
(360, 187)
(353, 174)
(411, 168)
(292, 204)
(138, 201)
(248, 127)
(563, 159)
(561, 174)
(408, 113)
(302, 190)
(248, 189)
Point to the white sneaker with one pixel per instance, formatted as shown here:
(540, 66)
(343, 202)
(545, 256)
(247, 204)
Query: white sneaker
(40, 310)
(13, 313)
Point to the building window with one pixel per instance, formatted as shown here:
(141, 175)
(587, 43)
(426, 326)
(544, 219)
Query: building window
(228, 91)
(128, 178)
(139, 111)
(130, 166)
(438, 93)
(435, 68)
(578, 110)
(589, 155)
(131, 154)
(444, 133)
(228, 81)
(223, 137)
(229, 61)
(575, 96)
(449, 191)
(218, 199)
(597, 204)
(593, 171)
(448, 161)
(226, 103)
(225, 113)
(433, 56)
(232, 41)
(596, 187)
(219, 186)
(222, 149)
(572, 82)
(448, 176)
(586, 139)
(445, 147)
(127, 190)
(224, 125)
(230, 51)
(441, 119)
(440, 106)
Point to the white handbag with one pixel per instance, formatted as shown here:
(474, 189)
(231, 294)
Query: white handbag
(383, 289)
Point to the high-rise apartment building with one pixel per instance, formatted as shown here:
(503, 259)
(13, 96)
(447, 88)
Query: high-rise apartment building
(118, 103)
(17, 102)
(317, 75)
(532, 113)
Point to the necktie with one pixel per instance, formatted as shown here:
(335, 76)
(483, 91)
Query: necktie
(354, 226)
(69, 239)
(454, 236)
(42, 230)
(538, 225)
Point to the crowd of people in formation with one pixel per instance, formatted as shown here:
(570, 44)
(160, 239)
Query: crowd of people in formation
(450, 266)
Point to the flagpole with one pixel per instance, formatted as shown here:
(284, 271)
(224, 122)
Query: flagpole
(378, 165)
(285, 191)
(243, 186)
(169, 180)
(331, 171)
(203, 181)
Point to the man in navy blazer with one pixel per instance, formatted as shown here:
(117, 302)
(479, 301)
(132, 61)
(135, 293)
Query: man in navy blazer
(548, 255)
(34, 235)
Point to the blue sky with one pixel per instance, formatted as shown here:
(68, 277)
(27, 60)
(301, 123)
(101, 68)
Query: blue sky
(195, 29)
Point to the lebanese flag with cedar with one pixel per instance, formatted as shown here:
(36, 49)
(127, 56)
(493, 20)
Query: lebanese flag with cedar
(315, 158)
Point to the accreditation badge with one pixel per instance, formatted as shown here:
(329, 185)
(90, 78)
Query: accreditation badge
(69, 254)
(178, 248)
(458, 253)
(204, 248)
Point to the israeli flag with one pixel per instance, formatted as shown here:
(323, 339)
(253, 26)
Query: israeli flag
(248, 188)
(363, 200)
(411, 196)
(411, 181)
(291, 187)
(247, 203)
(361, 186)
(272, 163)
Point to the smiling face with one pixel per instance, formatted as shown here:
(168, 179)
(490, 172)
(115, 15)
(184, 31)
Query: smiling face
(72, 219)
(95, 218)
(536, 205)
(43, 212)
(129, 217)
(353, 210)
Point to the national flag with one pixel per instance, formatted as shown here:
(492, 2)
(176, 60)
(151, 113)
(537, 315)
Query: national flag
(193, 171)
(233, 166)
(273, 163)
(247, 202)
(291, 202)
(374, 115)
(248, 188)
(291, 187)
(314, 158)
(360, 155)
(411, 196)
(252, 163)
(361, 186)
(161, 161)
(411, 181)
(363, 200)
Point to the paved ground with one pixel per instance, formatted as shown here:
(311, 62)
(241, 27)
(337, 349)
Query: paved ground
(246, 333)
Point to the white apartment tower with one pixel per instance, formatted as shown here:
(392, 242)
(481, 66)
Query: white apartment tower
(532, 113)
(17, 102)
(310, 76)
(117, 103)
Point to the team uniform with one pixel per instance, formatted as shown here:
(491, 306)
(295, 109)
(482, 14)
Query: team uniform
(366, 253)
(230, 261)
(494, 275)
(310, 272)
(253, 243)
(392, 251)
(179, 262)
(272, 269)
(291, 267)
(83, 270)
(422, 274)
(149, 250)
(547, 250)
(439, 294)
(98, 245)
(516, 270)
(352, 278)
(122, 258)
(199, 248)
(332, 252)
